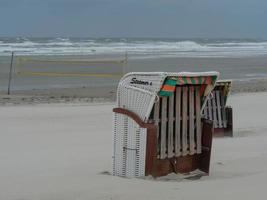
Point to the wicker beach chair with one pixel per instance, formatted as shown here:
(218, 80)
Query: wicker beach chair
(217, 111)
(158, 127)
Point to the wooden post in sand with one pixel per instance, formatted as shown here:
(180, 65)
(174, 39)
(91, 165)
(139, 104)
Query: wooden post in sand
(125, 63)
(10, 73)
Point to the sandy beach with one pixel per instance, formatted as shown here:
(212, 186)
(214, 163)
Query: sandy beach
(63, 152)
(64, 68)
(56, 138)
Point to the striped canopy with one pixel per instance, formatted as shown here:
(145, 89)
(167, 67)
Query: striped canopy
(206, 84)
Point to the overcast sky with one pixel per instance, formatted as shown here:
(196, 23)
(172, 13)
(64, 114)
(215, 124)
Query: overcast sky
(134, 18)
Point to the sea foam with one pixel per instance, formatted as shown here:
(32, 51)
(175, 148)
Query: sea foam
(136, 47)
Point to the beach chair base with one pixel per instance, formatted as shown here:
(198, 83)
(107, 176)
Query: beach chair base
(185, 164)
(181, 164)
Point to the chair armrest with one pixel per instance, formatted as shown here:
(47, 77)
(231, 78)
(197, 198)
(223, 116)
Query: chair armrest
(134, 117)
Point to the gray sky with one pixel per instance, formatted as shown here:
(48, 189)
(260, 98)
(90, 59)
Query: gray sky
(134, 18)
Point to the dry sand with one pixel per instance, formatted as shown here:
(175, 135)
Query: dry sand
(63, 152)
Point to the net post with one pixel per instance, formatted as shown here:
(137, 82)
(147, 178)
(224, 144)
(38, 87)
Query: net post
(10, 73)
(125, 63)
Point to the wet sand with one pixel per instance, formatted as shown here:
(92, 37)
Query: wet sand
(249, 74)
(100, 94)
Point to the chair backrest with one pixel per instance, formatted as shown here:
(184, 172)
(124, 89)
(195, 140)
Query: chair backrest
(178, 118)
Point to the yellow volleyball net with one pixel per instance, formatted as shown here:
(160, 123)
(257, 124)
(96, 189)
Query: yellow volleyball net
(70, 67)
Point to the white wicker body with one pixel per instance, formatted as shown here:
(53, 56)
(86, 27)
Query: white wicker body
(129, 147)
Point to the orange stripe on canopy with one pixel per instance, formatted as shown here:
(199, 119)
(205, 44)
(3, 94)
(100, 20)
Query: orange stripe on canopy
(168, 88)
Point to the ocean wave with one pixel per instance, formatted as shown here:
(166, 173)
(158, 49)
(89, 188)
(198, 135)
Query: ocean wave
(138, 47)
